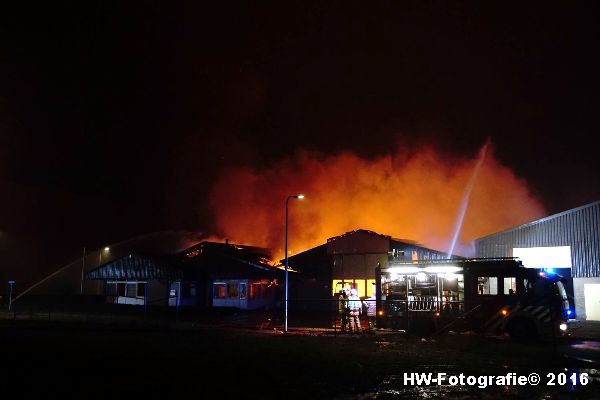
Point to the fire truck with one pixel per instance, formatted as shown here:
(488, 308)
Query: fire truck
(491, 296)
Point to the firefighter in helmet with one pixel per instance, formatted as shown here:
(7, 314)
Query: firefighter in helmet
(343, 311)
(355, 305)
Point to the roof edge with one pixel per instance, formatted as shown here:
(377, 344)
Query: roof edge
(540, 220)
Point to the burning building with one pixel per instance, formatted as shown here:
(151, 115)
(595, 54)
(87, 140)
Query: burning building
(350, 260)
(206, 274)
(420, 193)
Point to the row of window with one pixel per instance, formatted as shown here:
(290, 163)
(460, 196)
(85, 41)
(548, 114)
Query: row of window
(365, 287)
(126, 289)
(414, 255)
(229, 291)
(489, 285)
(239, 290)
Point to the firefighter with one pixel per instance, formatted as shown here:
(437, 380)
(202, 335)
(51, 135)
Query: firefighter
(355, 305)
(343, 310)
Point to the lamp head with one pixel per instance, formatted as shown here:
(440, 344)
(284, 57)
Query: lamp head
(300, 196)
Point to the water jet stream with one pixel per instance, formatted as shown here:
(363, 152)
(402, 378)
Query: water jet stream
(467, 196)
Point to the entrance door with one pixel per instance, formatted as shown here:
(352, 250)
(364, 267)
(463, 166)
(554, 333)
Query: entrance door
(591, 292)
(243, 296)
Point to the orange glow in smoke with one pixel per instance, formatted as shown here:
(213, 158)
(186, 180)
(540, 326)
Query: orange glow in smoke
(411, 194)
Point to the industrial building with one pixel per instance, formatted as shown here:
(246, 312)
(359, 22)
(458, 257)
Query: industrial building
(206, 274)
(567, 243)
(350, 260)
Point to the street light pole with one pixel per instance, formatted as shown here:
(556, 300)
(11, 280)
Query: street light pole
(106, 250)
(11, 283)
(298, 196)
(82, 269)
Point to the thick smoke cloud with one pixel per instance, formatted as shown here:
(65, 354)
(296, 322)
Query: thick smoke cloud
(411, 194)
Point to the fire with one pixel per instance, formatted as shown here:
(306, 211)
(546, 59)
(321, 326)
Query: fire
(412, 195)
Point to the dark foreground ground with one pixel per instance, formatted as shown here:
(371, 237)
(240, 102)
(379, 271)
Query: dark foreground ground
(114, 362)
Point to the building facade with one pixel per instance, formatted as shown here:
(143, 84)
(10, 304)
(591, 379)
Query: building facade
(567, 243)
(349, 260)
(208, 274)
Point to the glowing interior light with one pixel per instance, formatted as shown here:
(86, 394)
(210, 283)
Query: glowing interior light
(562, 327)
(106, 248)
(443, 269)
(421, 276)
(450, 276)
(404, 270)
(504, 312)
(380, 312)
(544, 257)
(393, 276)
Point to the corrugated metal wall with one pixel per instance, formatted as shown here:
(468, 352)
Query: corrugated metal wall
(135, 268)
(578, 228)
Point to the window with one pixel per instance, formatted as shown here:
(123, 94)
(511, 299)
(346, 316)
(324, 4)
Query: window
(540, 288)
(121, 289)
(487, 285)
(339, 284)
(141, 289)
(232, 290)
(370, 287)
(219, 291)
(528, 286)
(561, 291)
(398, 254)
(130, 289)
(510, 282)
(364, 287)
(260, 289)
(359, 284)
(126, 289)
(255, 291)
(242, 291)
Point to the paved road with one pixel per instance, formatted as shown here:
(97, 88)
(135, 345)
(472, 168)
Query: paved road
(585, 351)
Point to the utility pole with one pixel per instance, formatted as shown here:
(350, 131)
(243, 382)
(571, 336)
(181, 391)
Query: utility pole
(11, 283)
(82, 269)
(298, 196)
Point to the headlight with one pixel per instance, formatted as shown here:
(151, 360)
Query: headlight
(562, 327)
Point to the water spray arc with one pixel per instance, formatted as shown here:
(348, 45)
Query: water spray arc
(464, 205)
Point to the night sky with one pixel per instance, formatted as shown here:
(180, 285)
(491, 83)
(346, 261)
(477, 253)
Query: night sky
(115, 120)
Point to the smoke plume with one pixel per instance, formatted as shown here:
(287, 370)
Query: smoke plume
(413, 195)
